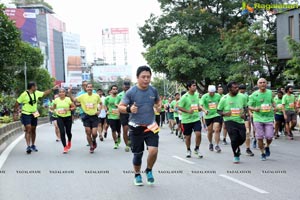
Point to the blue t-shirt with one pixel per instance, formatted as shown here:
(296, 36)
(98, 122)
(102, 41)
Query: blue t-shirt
(145, 100)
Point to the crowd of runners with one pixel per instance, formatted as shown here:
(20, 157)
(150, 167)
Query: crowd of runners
(136, 115)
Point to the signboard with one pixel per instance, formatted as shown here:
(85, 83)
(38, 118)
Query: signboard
(110, 73)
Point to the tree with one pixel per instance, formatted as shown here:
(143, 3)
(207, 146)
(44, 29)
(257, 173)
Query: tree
(294, 71)
(198, 23)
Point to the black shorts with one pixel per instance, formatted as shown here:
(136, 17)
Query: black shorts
(115, 125)
(124, 118)
(138, 137)
(190, 127)
(291, 116)
(279, 118)
(101, 120)
(90, 121)
(29, 119)
(52, 118)
(217, 119)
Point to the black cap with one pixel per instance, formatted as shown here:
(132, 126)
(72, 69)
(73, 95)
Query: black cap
(126, 83)
(242, 86)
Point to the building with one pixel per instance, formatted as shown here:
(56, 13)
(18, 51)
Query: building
(288, 24)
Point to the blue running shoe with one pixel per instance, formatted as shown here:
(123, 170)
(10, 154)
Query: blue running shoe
(150, 178)
(138, 180)
(267, 151)
(263, 157)
(33, 148)
(236, 160)
(28, 150)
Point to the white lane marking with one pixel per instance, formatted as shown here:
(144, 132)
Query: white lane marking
(184, 160)
(244, 184)
(7, 151)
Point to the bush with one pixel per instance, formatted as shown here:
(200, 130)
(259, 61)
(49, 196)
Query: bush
(6, 119)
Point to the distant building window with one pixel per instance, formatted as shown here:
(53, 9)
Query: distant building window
(291, 26)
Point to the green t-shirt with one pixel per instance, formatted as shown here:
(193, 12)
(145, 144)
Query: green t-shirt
(120, 97)
(210, 103)
(24, 99)
(264, 101)
(110, 103)
(89, 103)
(163, 103)
(62, 105)
(288, 102)
(187, 102)
(279, 105)
(174, 106)
(235, 105)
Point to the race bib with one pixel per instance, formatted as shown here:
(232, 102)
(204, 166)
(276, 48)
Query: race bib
(212, 106)
(36, 114)
(89, 106)
(115, 111)
(265, 108)
(195, 107)
(292, 105)
(153, 127)
(61, 111)
(235, 112)
(279, 107)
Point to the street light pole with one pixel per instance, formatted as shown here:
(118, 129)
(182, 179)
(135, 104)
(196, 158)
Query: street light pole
(25, 74)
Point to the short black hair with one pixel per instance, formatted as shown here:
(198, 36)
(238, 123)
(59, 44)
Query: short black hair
(242, 86)
(288, 87)
(229, 85)
(99, 90)
(279, 92)
(190, 83)
(141, 69)
(113, 86)
(176, 93)
(30, 85)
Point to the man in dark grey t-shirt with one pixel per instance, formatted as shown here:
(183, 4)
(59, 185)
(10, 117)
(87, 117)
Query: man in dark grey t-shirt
(140, 101)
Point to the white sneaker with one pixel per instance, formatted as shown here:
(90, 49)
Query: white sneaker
(188, 154)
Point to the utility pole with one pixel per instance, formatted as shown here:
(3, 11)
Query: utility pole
(25, 74)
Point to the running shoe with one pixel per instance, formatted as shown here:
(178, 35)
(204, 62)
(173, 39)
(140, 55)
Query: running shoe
(291, 136)
(236, 160)
(33, 148)
(127, 149)
(116, 146)
(188, 153)
(119, 140)
(65, 150)
(254, 143)
(218, 149)
(94, 144)
(224, 141)
(211, 147)
(263, 157)
(197, 152)
(249, 152)
(28, 150)
(69, 145)
(176, 132)
(267, 151)
(101, 138)
(138, 180)
(92, 150)
(150, 178)
(105, 134)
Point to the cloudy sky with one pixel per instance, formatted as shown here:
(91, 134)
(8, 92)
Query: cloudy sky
(89, 17)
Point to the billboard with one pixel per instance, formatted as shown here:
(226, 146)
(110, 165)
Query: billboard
(73, 72)
(110, 73)
(25, 20)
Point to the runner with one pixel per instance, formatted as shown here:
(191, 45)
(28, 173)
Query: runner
(30, 114)
(209, 104)
(102, 115)
(289, 111)
(63, 107)
(170, 114)
(139, 101)
(162, 112)
(262, 104)
(242, 90)
(176, 113)
(189, 107)
(54, 119)
(124, 117)
(113, 115)
(89, 103)
(220, 91)
(279, 118)
(233, 107)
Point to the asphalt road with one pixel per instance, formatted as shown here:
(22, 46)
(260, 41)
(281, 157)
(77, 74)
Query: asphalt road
(107, 174)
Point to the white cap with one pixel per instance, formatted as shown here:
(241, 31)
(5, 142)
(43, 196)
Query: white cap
(211, 88)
